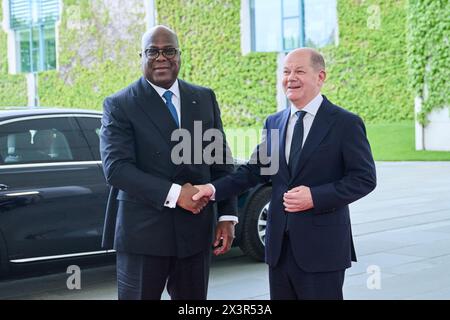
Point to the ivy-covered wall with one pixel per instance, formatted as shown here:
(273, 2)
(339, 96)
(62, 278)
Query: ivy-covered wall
(367, 71)
(429, 53)
(209, 33)
(99, 41)
(98, 46)
(13, 89)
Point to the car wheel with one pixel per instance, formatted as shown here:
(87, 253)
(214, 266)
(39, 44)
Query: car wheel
(255, 222)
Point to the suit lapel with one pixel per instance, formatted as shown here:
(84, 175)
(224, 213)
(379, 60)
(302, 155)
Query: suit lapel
(322, 123)
(190, 104)
(282, 125)
(151, 104)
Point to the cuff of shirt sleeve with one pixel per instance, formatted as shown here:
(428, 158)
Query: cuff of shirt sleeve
(229, 218)
(172, 196)
(213, 197)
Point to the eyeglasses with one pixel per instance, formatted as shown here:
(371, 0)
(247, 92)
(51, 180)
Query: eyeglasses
(153, 53)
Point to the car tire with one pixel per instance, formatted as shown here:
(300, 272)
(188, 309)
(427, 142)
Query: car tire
(254, 224)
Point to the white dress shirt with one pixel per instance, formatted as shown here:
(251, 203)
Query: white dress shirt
(175, 189)
(176, 100)
(311, 110)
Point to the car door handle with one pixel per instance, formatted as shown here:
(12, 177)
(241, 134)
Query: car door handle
(3, 187)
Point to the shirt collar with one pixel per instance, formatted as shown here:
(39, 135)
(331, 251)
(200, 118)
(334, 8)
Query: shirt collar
(312, 107)
(174, 88)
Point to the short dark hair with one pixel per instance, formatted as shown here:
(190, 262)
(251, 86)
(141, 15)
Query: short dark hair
(317, 61)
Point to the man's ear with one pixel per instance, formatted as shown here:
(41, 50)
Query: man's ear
(322, 76)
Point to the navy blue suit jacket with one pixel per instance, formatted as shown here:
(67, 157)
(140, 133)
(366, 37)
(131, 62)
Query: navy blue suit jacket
(136, 146)
(337, 164)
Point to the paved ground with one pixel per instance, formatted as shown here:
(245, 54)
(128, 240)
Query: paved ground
(402, 238)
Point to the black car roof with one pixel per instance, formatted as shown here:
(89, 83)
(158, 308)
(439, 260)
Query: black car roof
(17, 112)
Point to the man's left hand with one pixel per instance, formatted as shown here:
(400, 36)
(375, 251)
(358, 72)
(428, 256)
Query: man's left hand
(224, 237)
(298, 199)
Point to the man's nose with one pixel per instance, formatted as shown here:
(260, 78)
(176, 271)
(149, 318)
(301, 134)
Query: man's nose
(291, 77)
(161, 57)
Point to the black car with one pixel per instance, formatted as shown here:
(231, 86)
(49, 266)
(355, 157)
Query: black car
(53, 192)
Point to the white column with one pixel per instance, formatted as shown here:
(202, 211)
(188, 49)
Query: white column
(246, 40)
(419, 127)
(11, 44)
(150, 13)
(32, 86)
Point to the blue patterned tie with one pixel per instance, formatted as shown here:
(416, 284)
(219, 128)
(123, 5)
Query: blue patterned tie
(173, 111)
(297, 141)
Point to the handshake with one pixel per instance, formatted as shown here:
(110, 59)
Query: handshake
(194, 198)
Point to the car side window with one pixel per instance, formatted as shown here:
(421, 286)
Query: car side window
(54, 139)
(90, 127)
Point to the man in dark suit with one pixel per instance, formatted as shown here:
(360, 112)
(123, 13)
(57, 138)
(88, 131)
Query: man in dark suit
(325, 163)
(160, 234)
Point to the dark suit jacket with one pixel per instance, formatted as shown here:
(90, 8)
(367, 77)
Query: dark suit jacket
(136, 146)
(337, 164)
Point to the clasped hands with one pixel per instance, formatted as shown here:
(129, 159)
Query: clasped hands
(195, 198)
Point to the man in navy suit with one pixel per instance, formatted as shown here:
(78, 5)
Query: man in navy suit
(325, 163)
(160, 234)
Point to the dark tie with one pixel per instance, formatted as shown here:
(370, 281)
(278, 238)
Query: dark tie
(173, 111)
(296, 143)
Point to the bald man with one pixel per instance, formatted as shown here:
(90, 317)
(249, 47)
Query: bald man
(161, 236)
(325, 163)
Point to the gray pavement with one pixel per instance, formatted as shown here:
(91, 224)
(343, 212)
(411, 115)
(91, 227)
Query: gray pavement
(402, 238)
